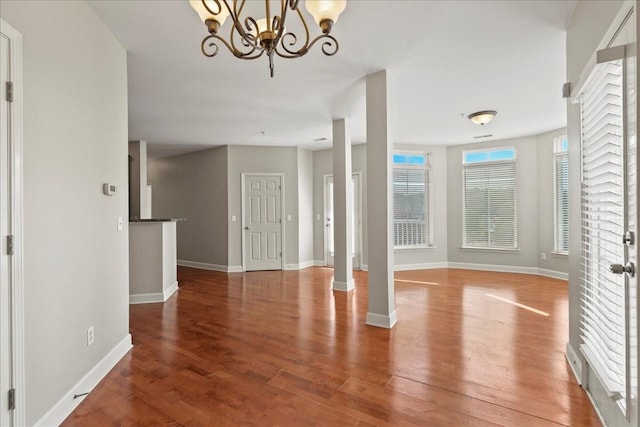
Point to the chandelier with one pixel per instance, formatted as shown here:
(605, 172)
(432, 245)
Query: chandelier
(250, 38)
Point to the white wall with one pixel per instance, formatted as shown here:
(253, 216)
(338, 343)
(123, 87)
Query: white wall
(305, 206)
(527, 190)
(193, 186)
(75, 139)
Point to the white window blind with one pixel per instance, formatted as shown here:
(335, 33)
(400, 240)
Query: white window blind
(489, 211)
(561, 192)
(411, 226)
(603, 311)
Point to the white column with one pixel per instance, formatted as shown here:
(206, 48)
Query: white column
(382, 311)
(342, 208)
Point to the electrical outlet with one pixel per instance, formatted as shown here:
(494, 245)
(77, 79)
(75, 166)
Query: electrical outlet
(120, 223)
(543, 256)
(90, 335)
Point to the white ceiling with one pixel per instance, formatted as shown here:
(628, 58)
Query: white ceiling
(446, 60)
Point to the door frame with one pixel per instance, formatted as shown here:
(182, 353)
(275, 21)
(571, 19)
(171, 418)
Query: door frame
(283, 215)
(15, 334)
(325, 178)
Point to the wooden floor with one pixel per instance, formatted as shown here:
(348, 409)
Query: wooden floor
(280, 348)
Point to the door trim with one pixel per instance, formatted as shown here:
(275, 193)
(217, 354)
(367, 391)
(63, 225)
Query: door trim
(283, 214)
(16, 197)
(325, 178)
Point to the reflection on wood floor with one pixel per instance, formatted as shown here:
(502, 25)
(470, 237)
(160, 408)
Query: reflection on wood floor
(470, 348)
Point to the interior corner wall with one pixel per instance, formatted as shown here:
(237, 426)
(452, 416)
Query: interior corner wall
(546, 204)
(193, 186)
(526, 169)
(257, 159)
(305, 207)
(588, 26)
(76, 263)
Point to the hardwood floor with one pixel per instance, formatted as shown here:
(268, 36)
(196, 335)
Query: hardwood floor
(280, 348)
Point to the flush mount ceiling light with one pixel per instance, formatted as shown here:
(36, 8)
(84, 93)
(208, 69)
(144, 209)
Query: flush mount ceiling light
(252, 37)
(482, 117)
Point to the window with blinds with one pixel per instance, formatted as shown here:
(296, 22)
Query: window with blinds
(561, 194)
(411, 201)
(603, 295)
(489, 199)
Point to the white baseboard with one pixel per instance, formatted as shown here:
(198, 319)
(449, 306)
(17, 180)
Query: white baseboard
(493, 267)
(319, 263)
(575, 362)
(423, 266)
(61, 410)
(307, 264)
(170, 291)
(146, 298)
(382, 320)
(211, 267)
(365, 267)
(343, 286)
(553, 274)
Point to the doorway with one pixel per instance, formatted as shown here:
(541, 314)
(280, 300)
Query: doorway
(262, 227)
(11, 288)
(356, 220)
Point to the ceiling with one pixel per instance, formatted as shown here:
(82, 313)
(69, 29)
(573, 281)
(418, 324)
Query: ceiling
(446, 59)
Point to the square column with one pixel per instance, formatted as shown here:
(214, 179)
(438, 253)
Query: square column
(382, 311)
(342, 208)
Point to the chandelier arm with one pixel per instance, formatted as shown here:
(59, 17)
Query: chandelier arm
(329, 47)
(293, 4)
(216, 2)
(291, 40)
(209, 48)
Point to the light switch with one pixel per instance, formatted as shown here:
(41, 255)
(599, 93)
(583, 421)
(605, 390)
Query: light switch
(288, 217)
(233, 218)
(120, 223)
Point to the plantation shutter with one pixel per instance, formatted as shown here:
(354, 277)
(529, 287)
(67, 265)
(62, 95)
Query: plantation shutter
(603, 294)
(410, 214)
(562, 202)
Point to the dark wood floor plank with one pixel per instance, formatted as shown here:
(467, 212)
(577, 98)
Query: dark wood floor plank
(281, 348)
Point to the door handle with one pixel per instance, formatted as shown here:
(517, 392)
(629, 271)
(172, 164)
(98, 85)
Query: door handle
(246, 228)
(621, 269)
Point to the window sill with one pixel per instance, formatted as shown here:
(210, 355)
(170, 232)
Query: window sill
(413, 248)
(564, 255)
(499, 250)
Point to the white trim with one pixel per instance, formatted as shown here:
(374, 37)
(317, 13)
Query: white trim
(382, 320)
(365, 267)
(61, 410)
(166, 294)
(575, 362)
(17, 268)
(203, 265)
(343, 286)
(283, 215)
(319, 263)
(490, 249)
(235, 269)
(423, 266)
(553, 274)
(146, 298)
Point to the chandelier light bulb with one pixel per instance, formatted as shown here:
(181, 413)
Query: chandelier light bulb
(325, 10)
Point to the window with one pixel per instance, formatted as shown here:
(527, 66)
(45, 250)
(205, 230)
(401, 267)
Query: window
(561, 194)
(489, 199)
(411, 203)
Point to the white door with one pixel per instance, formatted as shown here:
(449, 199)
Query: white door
(609, 235)
(262, 222)
(355, 220)
(6, 380)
